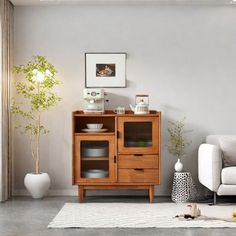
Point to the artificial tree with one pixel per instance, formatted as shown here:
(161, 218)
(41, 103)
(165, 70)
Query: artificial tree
(177, 141)
(36, 88)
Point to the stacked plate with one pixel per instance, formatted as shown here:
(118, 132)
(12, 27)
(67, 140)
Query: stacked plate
(94, 128)
(95, 151)
(95, 173)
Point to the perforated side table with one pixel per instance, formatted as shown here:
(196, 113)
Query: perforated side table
(184, 189)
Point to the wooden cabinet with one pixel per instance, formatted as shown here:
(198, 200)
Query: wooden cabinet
(125, 156)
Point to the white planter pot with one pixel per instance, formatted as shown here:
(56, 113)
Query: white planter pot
(37, 184)
(179, 166)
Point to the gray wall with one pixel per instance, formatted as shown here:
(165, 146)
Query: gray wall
(182, 56)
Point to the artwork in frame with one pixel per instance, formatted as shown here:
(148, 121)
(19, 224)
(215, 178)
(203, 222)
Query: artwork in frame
(106, 70)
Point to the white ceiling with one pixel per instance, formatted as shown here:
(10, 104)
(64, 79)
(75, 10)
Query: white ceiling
(83, 2)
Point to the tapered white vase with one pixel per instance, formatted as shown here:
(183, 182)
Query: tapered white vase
(37, 184)
(179, 166)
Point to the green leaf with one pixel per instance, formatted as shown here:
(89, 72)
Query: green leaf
(37, 96)
(177, 141)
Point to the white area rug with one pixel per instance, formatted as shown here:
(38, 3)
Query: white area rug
(137, 215)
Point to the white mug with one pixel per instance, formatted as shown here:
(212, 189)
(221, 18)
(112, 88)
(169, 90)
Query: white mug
(120, 110)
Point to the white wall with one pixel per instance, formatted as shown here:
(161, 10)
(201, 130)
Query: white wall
(182, 56)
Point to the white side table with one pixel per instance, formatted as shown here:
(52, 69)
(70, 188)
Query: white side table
(184, 189)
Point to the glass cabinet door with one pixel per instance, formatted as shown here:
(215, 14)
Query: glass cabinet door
(95, 159)
(138, 135)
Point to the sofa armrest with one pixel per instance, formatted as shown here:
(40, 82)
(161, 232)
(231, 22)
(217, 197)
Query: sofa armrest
(209, 166)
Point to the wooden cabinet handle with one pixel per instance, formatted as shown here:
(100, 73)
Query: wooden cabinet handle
(117, 134)
(138, 155)
(114, 159)
(139, 169)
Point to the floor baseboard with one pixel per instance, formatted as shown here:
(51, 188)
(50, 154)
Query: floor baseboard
(74, 192)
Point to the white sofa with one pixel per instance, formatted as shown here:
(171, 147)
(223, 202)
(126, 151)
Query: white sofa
(217, 164)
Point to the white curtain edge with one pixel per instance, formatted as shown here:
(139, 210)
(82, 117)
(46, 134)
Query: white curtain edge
(6, 32)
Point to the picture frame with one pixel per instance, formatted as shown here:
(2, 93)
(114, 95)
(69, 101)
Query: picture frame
(105, 70)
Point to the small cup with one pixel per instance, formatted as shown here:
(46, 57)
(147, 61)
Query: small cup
(120, 110)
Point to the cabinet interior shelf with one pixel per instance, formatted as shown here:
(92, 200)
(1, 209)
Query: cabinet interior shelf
(99, 134)
(95, 158)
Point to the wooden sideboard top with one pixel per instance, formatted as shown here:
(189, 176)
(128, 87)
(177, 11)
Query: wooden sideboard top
(112, 113)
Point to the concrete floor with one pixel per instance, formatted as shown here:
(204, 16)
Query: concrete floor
(23, 216)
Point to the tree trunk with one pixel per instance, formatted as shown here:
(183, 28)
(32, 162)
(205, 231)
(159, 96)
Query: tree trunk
(37, 147)
(38, 140)
(37, 166)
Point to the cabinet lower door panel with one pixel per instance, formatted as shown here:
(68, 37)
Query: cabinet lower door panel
(138, 175)
(94, 159)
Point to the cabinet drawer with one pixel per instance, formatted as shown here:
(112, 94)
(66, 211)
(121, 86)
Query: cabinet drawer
(138, 161)
(138, 175)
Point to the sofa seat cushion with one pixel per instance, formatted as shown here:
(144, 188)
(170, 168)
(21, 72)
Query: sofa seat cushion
(226, 189)
(228, 175)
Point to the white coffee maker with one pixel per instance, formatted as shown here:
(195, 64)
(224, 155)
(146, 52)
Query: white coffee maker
(95, 100)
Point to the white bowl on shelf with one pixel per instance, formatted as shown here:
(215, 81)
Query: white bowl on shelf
(94, 126)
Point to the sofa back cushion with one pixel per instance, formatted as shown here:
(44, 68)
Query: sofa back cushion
(227, 144)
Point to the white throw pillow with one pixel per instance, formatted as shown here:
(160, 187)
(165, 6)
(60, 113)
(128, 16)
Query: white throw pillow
(228, 147)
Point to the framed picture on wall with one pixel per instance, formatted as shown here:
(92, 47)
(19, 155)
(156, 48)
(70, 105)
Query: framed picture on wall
(106, 70)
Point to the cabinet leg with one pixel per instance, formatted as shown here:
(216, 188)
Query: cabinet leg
(151, 193)
(81, 193)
